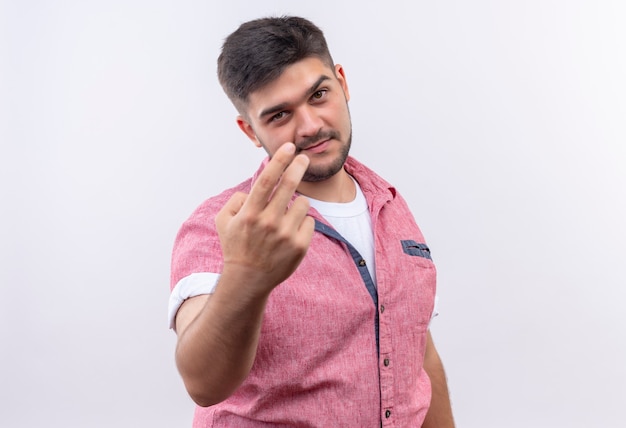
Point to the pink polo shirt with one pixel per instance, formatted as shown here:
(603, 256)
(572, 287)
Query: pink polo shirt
(334, 349)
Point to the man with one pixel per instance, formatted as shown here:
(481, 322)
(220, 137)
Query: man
(302, 297)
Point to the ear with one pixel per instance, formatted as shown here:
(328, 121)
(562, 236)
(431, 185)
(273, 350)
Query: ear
(246, 128)
(341, 76)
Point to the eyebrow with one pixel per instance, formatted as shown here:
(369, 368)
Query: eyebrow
(282, 106)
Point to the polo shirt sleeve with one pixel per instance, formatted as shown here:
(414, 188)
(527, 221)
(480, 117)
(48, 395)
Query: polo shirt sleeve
(196, 258)
(196, 284)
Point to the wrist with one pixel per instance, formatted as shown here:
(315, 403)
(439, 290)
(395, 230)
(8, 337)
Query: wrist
(244, 283)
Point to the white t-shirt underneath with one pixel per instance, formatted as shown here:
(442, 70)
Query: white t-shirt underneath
(352, 220)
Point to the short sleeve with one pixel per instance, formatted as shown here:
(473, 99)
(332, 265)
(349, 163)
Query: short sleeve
(196, 257)
(196, 284)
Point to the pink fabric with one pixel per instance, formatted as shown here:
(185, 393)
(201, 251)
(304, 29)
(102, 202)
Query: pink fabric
(316, 363)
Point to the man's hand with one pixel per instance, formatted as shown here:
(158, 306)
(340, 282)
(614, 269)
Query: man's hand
(260, 236)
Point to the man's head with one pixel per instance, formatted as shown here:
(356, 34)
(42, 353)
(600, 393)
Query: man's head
(280, 76)
(259, 51)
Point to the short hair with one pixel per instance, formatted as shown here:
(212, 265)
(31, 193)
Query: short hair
(258, 52)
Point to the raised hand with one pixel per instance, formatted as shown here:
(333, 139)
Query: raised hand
(264, 239)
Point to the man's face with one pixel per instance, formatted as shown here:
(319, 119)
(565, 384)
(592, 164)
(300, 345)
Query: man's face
(306, 105)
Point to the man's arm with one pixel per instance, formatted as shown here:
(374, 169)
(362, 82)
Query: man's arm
(262, 244)
(440, 412)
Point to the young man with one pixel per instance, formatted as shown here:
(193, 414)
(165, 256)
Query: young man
(302, 297)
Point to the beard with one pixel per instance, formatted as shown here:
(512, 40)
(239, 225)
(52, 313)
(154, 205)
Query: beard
(324, 172)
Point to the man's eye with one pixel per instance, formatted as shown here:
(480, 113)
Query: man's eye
(319, 94)
(278, 116)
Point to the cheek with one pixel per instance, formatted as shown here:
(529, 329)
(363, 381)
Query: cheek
(344, 116)
(271, 141)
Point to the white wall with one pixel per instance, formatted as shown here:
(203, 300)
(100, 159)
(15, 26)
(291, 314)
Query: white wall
(503, 124)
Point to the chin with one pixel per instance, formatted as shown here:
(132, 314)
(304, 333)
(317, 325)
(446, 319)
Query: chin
(327, 170)
(316, 174)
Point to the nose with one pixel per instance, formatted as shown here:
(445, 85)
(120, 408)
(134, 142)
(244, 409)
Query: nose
(309, 121)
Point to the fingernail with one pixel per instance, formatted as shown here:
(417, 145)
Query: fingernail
(289, 147)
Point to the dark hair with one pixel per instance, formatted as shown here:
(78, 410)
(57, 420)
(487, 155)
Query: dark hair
(259, 51)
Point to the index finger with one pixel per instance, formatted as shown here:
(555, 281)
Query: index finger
(270, 176)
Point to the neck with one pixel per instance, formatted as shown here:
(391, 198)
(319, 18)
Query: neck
(338, 188)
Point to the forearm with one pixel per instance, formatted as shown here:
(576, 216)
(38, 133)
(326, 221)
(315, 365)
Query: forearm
(215, 352)
(440, 411)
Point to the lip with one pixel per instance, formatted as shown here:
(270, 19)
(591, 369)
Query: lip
(318, 147)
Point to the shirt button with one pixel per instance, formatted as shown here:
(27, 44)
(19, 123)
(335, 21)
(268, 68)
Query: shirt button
(382, 308)
(361, 262)
(386, 362)
(387, 413)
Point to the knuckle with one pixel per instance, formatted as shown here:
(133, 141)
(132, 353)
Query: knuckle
(270, 225)
(266, 182)
(290, 181)
(248, 220)
(285, 234)
(263, 225)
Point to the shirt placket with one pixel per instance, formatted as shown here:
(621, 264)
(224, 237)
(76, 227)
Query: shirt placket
(385, 313)
(386, 360)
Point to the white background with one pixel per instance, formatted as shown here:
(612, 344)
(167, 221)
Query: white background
(501, 122)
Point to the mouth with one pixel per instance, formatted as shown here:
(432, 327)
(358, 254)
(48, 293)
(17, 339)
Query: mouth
(317, 147)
